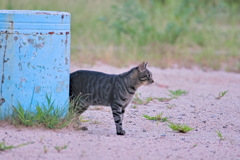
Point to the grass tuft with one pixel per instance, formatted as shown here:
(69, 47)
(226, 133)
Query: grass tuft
(45, 149)
(83, 119)
(220, 135)
(134, 106)
(177, 93)
(180, 127)
(95, 122)
(158, 117)
(49, 115)
(23, 116)
(164, 99)
(59, 148)
(4, 147)
(173, 95)
(138, 100)
(171, 106)
(221, 94)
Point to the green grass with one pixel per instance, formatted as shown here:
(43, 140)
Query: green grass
(171, 106)
(219, 134)
(47, 115)
(193, 146)
(95, 122)
(180, 127)
(138, 100)
(134, 106)
(221, 94)
(4, 147)
(164, 99)
(184, 32)
(177, 93)
(45, 149)
(59, 148)
(83, 119)
(158, 117)
(173, 95)
(23, 116)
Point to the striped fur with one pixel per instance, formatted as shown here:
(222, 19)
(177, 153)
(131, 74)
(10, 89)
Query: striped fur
(96, 88)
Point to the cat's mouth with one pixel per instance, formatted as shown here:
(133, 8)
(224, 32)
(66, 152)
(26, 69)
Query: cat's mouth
(147, 83)
(150, 81)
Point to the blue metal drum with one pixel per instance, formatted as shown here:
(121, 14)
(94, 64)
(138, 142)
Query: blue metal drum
(34, 58)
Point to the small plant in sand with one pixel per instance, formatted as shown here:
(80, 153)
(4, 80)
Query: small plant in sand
(221, 94)
(4, 147)
(45, 149)
(95, 122)
(173, 95)
(59, 148)
(134, 106)
(83, 119)
(171, 106)
(148, 99)
(164, 99)
(177, 93)
(158, 117)
(220, 135)
(138, 100)
(195, 145)
(180, 127)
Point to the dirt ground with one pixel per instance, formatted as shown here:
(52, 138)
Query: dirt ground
(145, 139)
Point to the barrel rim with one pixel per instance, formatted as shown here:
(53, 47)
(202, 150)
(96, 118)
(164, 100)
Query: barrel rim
(34, 12)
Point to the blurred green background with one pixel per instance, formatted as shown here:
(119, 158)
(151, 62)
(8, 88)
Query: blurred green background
(166, 33)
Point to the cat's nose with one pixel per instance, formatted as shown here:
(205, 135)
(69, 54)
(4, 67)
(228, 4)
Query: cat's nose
(152, 81)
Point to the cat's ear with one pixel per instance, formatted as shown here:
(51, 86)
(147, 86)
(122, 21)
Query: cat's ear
(142, 66)
(146, 64)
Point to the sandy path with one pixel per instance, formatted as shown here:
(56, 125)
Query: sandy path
(147, 139)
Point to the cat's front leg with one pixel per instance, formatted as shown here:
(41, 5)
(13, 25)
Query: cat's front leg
(118, 111)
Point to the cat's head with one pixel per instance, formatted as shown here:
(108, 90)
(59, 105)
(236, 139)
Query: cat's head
(144, 75)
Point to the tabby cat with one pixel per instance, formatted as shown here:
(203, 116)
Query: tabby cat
(96, 88)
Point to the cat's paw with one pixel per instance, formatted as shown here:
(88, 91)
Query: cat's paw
(121, 132)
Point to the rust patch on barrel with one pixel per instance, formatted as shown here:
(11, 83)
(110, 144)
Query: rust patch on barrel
(37, 89)
(47, 13)
(2, 100)
(31, 41)
(36, 45)
(66, 60)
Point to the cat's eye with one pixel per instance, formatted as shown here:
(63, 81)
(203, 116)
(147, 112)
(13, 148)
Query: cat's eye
(146, 77)
(143, 78)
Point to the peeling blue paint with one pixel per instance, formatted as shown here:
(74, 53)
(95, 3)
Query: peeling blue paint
(34, 57)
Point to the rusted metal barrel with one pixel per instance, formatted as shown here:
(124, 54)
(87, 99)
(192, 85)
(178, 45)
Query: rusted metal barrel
(34, 58)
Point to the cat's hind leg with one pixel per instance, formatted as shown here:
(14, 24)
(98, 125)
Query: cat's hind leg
(78, 110)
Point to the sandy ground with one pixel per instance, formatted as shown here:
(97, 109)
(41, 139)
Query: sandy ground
(147, 139)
